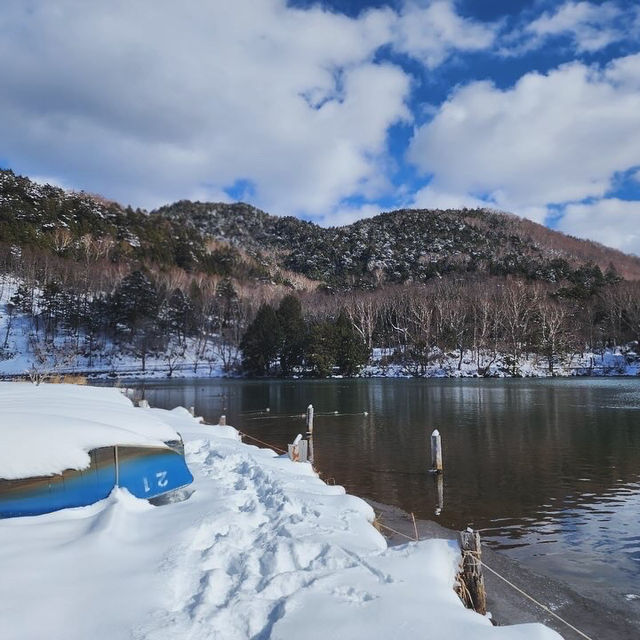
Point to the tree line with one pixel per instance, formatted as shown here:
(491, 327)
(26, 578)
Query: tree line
(266, 329)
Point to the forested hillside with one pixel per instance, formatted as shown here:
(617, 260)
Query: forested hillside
(84, 280)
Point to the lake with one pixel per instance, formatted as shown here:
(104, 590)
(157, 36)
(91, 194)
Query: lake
(548, 470)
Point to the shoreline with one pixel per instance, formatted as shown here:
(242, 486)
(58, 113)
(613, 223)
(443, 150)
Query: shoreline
(160, 375)
(599, 620)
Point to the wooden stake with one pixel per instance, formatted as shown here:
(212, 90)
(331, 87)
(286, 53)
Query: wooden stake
(310, 433)
(436, 452)
(310, 421)
(415, 526)
(439, 480)
(472, 569)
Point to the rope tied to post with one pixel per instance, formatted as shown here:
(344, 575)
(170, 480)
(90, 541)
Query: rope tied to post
(266, 444)
(467, 596)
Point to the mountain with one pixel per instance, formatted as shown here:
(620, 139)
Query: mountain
(243, 242)
(404, 245)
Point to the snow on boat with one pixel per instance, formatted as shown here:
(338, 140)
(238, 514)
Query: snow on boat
(146, 472)
(52, 458)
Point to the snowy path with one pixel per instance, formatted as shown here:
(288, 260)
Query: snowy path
(261, 549)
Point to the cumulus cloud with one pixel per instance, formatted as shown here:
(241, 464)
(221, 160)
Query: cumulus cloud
(611, 221)
(590, 26)
(154, 100)
(433, 31)
(430, 198)
(551, 138)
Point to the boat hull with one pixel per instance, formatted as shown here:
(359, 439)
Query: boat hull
(146, 472)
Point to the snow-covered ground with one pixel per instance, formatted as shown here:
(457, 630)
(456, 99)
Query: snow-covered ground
(262, 548)
(620, 361)
(20, 351)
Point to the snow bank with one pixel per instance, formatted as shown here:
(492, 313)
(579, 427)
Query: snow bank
(261, 549)
(46, 429)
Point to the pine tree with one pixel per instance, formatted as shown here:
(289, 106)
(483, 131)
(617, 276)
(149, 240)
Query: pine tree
(261, 342)
(350, 350)
(293, 334)
(321, 349)
(134, 301)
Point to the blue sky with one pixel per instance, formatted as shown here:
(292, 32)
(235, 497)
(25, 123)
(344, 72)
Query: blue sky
(336, 110)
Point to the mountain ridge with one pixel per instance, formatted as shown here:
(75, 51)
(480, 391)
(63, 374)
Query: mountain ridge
(240, 240)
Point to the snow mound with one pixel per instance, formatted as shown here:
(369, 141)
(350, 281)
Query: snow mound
(46, 429)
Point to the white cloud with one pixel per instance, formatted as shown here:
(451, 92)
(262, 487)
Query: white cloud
(551, 138)
(591, 26)
(610, 221)
(154, 100)
(432, 32)
(344, 215)
(430, 198)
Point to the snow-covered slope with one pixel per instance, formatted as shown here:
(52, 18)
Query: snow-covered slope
(261, 549)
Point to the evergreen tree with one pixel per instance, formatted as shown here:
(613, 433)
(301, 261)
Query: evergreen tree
(134, 301)
(321, 350)
(293, 333)
(177, 315)
(351, 352)
(227, 298)
(261, 342)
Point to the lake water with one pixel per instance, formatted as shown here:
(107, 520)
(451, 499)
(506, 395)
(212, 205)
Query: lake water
(548, 470)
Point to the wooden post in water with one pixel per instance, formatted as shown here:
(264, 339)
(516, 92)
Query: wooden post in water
(310, 421)
(309, 435)
(439, 480)
(223, 420)
(436, 452)
(472, 569)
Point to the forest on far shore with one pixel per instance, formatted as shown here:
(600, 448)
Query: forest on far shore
(264, 330)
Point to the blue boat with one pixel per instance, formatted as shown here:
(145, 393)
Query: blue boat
(145, 471)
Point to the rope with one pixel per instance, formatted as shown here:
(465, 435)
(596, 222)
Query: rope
(300, 415)
(404, 535)
(266, 444)
(278, 417)
(526, 595)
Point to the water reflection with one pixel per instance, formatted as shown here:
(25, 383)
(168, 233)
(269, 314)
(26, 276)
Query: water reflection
(549, 469)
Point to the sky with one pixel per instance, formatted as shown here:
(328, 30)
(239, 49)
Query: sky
(334, 110)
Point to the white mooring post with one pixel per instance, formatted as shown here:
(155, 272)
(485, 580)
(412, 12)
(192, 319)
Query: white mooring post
(223, 420)
(298, 451)
(310, 421)
(310, 433)
(436, 452)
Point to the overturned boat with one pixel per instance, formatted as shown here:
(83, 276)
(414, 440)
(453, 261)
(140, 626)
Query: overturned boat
(137, 457)
(146, 472)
